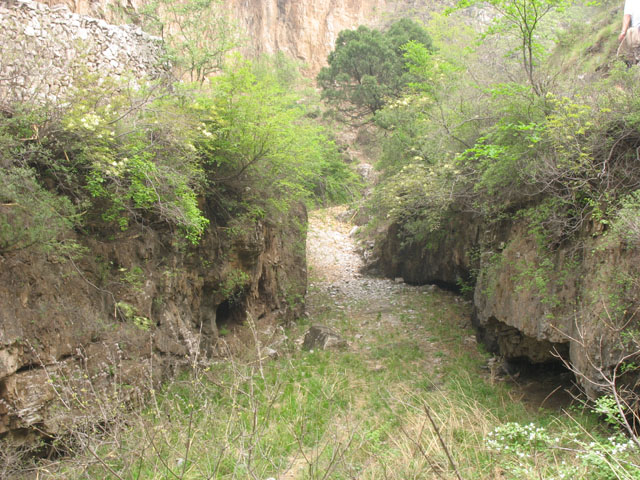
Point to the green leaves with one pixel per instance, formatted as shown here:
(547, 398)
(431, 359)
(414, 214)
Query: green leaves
(367, 68)
(132, 153)
(33, 218)
(260, 143)
(198, 35)
(523, 18)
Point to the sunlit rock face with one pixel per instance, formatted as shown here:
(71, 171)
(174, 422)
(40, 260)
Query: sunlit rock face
(304, 29)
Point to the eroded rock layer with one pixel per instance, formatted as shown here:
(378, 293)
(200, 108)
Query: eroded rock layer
(573, 302)
(132, 311)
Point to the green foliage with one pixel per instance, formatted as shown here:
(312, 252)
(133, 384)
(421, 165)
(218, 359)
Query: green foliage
(367, 69)
(131, 158)
(528, 451)
(523, 19)
(198, 34)
(515, 438)
(571, 156)
(415, 198)
(134, 277)
(234, 284)
(258, 142)
(607, 406)
(406, 31)
(627, 221)
(129, 313)
(32, 217)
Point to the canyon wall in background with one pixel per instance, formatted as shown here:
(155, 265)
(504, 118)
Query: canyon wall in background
(305, 29)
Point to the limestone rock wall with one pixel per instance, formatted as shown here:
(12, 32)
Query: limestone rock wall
(304, 29)
(131, 313)
(44, 51)
(574, 302)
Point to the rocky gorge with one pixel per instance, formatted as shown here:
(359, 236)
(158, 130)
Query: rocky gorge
(136, 309)
(568, 305)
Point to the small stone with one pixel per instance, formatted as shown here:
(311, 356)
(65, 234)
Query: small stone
(60, 8)
(470, 340)
(322, 338)
(398, 280)
(270, 352)
(109, 53)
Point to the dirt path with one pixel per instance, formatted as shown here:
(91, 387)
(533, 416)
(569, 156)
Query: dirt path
(389, 327)
(369, 304)
(439, 322)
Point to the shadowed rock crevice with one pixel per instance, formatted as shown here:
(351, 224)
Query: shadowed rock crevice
(518, 348)
(229, 314)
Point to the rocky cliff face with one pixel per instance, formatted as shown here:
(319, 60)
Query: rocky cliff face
(446, 261)
(130, 312)
(572, 303)
(304, 29)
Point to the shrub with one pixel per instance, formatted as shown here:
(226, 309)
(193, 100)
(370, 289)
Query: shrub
(32, 217)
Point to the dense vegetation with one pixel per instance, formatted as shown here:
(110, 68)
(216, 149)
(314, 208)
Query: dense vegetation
(116, 155)
(507, 126)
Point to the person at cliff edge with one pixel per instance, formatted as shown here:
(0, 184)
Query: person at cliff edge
(629, 37)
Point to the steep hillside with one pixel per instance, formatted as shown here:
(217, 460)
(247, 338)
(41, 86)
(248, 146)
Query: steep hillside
(520, 189)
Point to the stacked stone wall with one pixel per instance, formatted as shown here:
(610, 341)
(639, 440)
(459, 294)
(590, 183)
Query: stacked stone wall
(46, 51)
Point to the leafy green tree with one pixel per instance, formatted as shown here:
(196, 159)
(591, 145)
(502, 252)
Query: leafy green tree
(260, 146)
(405, 30)
(198, 34)
(367, 68)
(523, 18)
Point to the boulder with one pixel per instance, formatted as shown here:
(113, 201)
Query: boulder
(320, 337)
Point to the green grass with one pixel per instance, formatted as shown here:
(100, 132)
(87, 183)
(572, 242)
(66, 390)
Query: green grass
(354, 413)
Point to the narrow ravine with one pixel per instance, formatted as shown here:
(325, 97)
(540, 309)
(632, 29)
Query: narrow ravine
(410, 396)
(435, 322)
(409, 348)
(363, 307)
